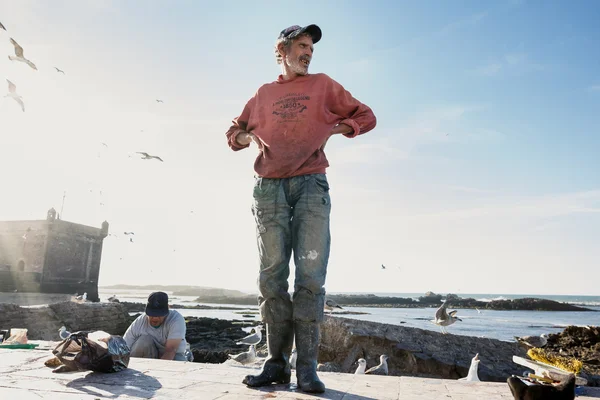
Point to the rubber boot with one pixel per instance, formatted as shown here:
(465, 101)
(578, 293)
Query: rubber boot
(307, 346)
(276, 368)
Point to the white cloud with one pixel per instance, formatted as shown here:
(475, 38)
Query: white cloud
(594, 88)
(489, 70)
(525, 207)
(516, 63)
(437, 125)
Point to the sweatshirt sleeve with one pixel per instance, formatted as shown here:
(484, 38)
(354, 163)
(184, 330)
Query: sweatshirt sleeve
(133, 332)
(355, 114)
(239, 125)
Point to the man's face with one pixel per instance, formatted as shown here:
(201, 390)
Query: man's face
(299, 55)
(156, 321)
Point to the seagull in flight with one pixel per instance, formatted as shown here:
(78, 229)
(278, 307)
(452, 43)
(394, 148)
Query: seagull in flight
(128, 233)
(159, 101)
(443, 318)
(59, 70)
(146, 156)
(2, 26)
(12, 92)
(19, 55)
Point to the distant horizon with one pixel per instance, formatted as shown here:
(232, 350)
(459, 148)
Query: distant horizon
(460, 294)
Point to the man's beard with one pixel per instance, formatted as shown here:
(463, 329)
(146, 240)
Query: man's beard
(297, 66)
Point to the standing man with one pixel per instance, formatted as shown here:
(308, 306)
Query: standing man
(290, 120)
(159, 332)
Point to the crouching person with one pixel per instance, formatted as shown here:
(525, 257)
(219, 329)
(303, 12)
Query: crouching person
(159, 332)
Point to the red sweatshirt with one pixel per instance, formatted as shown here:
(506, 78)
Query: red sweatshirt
(293, 118)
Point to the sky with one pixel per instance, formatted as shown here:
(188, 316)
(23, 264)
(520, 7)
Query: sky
(482, 175)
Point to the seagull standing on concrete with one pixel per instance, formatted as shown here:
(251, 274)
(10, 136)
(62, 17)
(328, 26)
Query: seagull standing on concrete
(472, 375)
(381, 369)
(12, 92)
(246, 357)
(63, 333)
(443, 318)
(19, 55)
(529, 342)
(254, 338)
(362, 365)
(330, 305)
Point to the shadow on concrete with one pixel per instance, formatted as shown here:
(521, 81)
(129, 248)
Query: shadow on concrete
(330, 394)
(129, 382)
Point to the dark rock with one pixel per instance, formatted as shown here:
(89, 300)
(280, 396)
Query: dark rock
(212, 339)
(140, 307)
(414, 351)
(430, 298)
(582, 343)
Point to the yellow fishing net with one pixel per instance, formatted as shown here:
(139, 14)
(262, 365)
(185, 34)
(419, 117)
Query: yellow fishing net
(569, 364)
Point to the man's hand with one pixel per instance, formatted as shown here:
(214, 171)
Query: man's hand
(171, 349)
(245, 138)
(340, 128)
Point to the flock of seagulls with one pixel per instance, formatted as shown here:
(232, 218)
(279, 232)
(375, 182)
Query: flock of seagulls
(19, 56)
(253, 339)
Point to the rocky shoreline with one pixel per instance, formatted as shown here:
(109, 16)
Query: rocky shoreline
(412, 351)
(245, 312)
(429, 300)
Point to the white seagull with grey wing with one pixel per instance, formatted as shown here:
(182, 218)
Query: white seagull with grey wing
(252, 339)
(443, 318)
(362, 366)
(381, 369)
(12, 92)
(472, 374)
(529, 342)
(330, 305)
(19, 55)
(246, 357)
(63, 333)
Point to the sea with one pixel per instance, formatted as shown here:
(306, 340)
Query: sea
(501, 325)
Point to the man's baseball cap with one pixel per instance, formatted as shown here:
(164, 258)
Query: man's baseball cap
(296, 30)
(158, 304)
